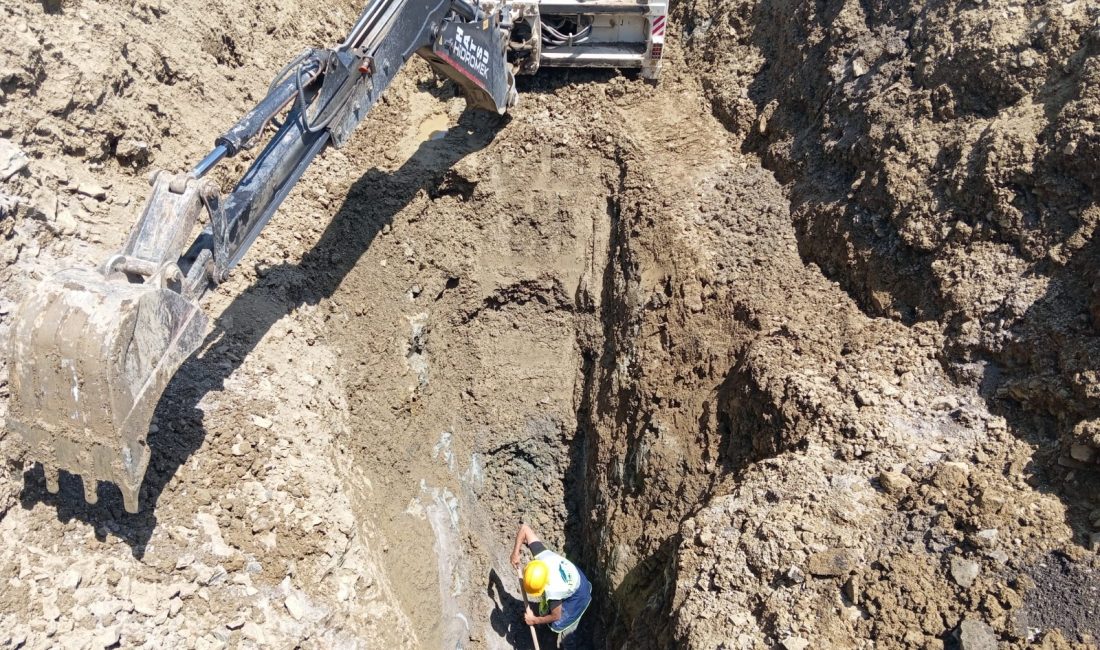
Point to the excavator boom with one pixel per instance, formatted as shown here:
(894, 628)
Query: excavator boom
(91, 351)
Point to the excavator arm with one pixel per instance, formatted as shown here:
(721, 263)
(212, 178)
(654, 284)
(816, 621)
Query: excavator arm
(331, 91)
(92, 351)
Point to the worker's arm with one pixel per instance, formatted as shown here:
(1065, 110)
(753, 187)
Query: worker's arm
(531, 619)
(525, 535)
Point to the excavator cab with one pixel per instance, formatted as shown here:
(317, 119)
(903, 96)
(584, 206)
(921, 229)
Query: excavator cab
(624, 34)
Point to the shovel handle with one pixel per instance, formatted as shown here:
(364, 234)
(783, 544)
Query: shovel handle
(527, 607)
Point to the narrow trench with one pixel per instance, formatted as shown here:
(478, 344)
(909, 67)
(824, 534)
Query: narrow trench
(461, 381)
(496, 394)
(595, 344)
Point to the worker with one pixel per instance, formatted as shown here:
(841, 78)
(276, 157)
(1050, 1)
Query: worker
(554, 586)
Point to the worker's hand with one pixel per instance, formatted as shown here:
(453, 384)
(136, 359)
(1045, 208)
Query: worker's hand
(515, 560)
(530, 618)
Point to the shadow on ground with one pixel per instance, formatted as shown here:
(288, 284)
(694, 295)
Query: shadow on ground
(1044, 383)
(507, 615)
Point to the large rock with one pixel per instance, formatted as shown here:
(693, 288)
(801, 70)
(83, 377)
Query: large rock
(985, 538)
(92, 190)
(254, 632)
(894, 483)
(133, 151)
(831, 563)
(951, 475)
(251, 630)
(8, 205)
(965, 572)
(1082, 453)
(108, 637)
(106, 608)
(976, 635)
(296, 604)
(147, 598)
(70, 580)
(12, 159)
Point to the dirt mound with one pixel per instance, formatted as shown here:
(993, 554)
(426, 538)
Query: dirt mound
(934, 155)
(794, 348)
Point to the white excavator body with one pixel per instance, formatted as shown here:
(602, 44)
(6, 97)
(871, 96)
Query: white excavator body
(625, 34)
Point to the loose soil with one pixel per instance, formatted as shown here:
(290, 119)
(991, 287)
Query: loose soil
(795, 348)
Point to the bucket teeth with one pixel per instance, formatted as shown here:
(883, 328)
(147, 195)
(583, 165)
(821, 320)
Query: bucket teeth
(130, 498)
(91, 491)
(52, 479)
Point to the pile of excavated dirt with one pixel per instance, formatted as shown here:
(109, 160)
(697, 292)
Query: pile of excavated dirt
(795, 348)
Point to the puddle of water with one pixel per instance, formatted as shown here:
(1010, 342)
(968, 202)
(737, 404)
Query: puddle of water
(434, 127)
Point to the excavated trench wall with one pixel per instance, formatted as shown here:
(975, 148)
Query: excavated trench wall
(935, 155)
(930, 155)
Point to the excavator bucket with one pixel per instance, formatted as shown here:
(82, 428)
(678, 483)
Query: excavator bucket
(89, 359)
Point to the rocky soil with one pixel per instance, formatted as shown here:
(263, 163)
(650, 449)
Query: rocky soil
(796, 348)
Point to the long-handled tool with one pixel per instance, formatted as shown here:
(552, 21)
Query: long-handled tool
(527, 607)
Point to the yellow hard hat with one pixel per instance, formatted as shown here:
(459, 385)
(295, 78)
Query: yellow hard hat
(535, 577)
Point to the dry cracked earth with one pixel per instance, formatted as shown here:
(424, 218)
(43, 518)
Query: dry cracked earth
(796, 348)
